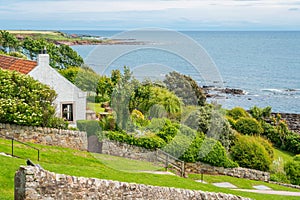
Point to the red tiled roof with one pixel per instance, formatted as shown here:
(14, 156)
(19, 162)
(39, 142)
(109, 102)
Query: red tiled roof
(17, 64)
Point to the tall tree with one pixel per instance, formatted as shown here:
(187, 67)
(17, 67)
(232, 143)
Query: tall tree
(186, 88)
(8, 41)
(83, 77)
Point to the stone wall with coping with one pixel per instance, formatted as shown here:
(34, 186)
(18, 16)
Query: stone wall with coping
(139, 153)
(127, 151)
(35, 183)
(46, 136)
(239, 172)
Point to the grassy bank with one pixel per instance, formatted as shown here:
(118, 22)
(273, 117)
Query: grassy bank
(81, 163)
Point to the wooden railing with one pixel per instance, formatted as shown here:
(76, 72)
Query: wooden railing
(170, 160)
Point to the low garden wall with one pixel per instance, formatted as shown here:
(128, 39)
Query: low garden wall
(239, 172)
(139, 153)
(35, 183)
(127, 151)
(46, 136)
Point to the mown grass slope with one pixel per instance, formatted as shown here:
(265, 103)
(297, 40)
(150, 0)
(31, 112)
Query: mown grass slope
(81, 163)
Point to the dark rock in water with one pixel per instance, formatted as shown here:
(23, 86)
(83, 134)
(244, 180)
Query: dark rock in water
(232, 91)
(290, 90)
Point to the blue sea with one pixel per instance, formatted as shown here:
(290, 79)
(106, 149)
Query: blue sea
(266, 65)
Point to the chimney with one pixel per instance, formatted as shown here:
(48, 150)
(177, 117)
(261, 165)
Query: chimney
(43, 59)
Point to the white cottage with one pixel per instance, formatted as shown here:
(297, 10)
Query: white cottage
(70, 101)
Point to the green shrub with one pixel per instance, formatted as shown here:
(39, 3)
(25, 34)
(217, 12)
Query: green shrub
(292, 170)
(163, 128)
(192, 153)
(138, 118)
(260, 113)
(231, 121)
(18, 55)
(297, 157)
(157, 124)
(271, 133)
(292, 143)
(108, 123)
(210, 120)
(279, 177)
(237, 113)
(91, 127)
(208, 151)
(181, 141)
(248, 126)
(168, 132)
(250, 153)
(148, 142)
(217, 154)
(268, 146)
(59, 123)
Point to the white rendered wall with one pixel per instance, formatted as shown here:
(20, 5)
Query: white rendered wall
(67, 92)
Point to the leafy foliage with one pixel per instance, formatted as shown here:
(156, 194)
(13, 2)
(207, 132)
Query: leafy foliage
(108, 123)
(148, 142)
(185, 88)
(260, 113)
(248, 126)
(138, 118)
(25, 101)
(293, 143)
(120, 99)
(8, 42)
(104, 88)
(61, 56)
(163, 128)
(249, 152)
(83, 77)
(292, 170)
(208, 151)
(237, 113)
(210, 120)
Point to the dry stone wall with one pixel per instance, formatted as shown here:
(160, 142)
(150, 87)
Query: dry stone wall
(127, 151)
(46, 136)
(35, 183)
(239, 172)
(138, 153)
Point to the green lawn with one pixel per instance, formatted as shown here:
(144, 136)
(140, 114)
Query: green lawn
(95, 107)
(81, 163)
(281, 157)
(123, 164)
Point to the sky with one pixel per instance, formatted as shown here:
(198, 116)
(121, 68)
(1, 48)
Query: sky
(132, 14)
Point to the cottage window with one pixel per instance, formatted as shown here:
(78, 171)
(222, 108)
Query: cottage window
(67, 112)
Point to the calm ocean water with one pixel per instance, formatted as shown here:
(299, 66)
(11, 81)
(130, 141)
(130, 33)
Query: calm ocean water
(266, 65)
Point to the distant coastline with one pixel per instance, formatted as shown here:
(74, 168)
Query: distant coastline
(59, 37)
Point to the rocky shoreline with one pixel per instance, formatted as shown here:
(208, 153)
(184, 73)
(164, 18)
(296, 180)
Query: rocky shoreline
(214, 92)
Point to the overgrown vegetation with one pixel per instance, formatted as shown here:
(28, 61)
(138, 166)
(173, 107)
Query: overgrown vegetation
(25, 101)
(252, 151)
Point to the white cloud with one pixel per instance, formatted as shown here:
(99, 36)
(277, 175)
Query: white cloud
(157, 12)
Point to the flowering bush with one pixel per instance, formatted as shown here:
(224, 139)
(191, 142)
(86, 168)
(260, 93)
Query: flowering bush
(25, 101)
